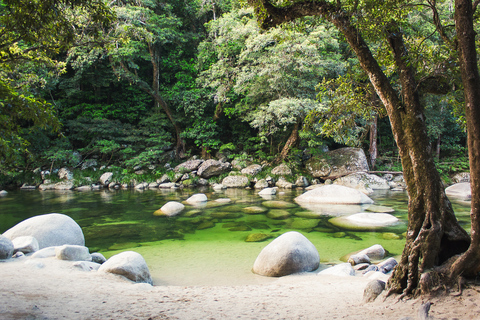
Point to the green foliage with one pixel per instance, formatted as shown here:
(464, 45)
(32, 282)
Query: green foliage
(204, 134)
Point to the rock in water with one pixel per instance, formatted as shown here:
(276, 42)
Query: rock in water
(334, 194)
(289, 253)
(53, 229)
(373, 290)
(129, 264)
(170, 209)
(6, 248)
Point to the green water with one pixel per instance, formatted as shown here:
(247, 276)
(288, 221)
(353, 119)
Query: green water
(204, 245)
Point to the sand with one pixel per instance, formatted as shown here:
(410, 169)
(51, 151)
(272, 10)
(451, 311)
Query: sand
(59, 291)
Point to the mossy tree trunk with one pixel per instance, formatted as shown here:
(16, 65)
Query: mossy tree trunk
(434, 234)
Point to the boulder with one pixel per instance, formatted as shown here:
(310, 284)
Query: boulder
(282, 170)
(289, 253)
(188, 166)
(97, 257)
(106, 178)
(129, 264)
(341, 270)
(72, 253)
(197, 198)
(6, 248)
(261, 184)
(302, 182)
(364, 221)
(255, 210)
(211, 168)
(278, 204)
(337, 163)
(258, 237)
(53, 229)
(25, 244)
(252, 170)
(170, 209)
(268, 191)
(236, 182)
(64, 185)
(282, 183)
(333, 194)
(65, 174)
(364, 182)
(375, 252)
(460, 191)
(461, 177)
(373, 289)
(387, 265)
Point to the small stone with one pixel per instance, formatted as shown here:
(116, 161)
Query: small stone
(258, 237)
(373, 290)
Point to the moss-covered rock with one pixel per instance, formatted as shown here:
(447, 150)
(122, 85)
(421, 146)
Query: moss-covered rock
(255, 210)
(258, 237)
(278, 214)
(278, 204)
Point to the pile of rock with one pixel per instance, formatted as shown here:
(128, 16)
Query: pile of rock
(59, 236)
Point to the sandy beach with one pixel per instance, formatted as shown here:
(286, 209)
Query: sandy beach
(59, 291)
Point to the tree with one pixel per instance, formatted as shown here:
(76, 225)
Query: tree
(434, 234)
(31, 34)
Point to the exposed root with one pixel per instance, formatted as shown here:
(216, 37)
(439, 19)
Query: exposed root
(461, 282)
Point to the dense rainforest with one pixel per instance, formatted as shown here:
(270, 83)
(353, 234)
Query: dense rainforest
(138, 84)
(158, 81)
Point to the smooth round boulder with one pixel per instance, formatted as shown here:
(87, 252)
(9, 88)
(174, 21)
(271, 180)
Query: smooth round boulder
(53, 229)
(236, 182)
(6, 248)
(373, 290)
(290, 253)
(170, 209)
(333, 194)
(72, 253)
(128, 264)
(460, 191)
(364, 221)
(197, 198)
(25, 244)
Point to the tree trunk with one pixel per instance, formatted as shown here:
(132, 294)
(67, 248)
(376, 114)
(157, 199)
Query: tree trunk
(291, 142)
(373, 151)
(468, 264)
(434, 234)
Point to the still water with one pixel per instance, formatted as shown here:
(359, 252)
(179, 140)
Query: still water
(204, 245)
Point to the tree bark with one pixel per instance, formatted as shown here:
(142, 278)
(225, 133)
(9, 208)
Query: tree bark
(291, 142)
(434, 234)
(468, 264)
(373, 151)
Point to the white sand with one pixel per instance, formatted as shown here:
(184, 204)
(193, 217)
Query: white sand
(57, 291)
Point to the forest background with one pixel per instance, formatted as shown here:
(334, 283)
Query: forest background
(152, 82)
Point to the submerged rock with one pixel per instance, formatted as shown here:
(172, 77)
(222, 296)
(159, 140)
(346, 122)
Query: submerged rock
(278, 214)
(52, 229)
(254, 210)
(289, 253)
(333, 194)
(258, 237)
(170, 209)
(277, 204)
(364, 221)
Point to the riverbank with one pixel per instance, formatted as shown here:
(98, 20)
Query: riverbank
(57, 291)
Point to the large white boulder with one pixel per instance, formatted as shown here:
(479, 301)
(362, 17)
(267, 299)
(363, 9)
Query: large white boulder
(170, 209)
(53, 229)
(333, 194)
(129, 264)
(460, 191)
(290, 253)
(197, 198)
(365, 221)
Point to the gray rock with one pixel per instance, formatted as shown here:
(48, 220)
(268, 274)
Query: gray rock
(129, 264)
(282, 183)
(106, 178)
(252, 170)
(84, 188)
(188, 166)
(211, 168)
(64, 185)
(197, 199)
(6, 248)
(364, 182)
(152, 185)
(289, 253)
(261, 184)
(333, 194)
(460, 191)
(337, 163)
(141, 186)
(365, 221)
(89, 164)
(25, 244)
(65, 174)
(52, 229)
(47, 252)
(168, 185)
(373, 290)
(387, 265)
(282, 170)
(236, 182)
(86, 265)
(170, 209)
(72, 253)
(461, 177)
(358, 259)
(375, 252)
(97, 257)
(342, 270)
(268, 191)
(302, 182)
